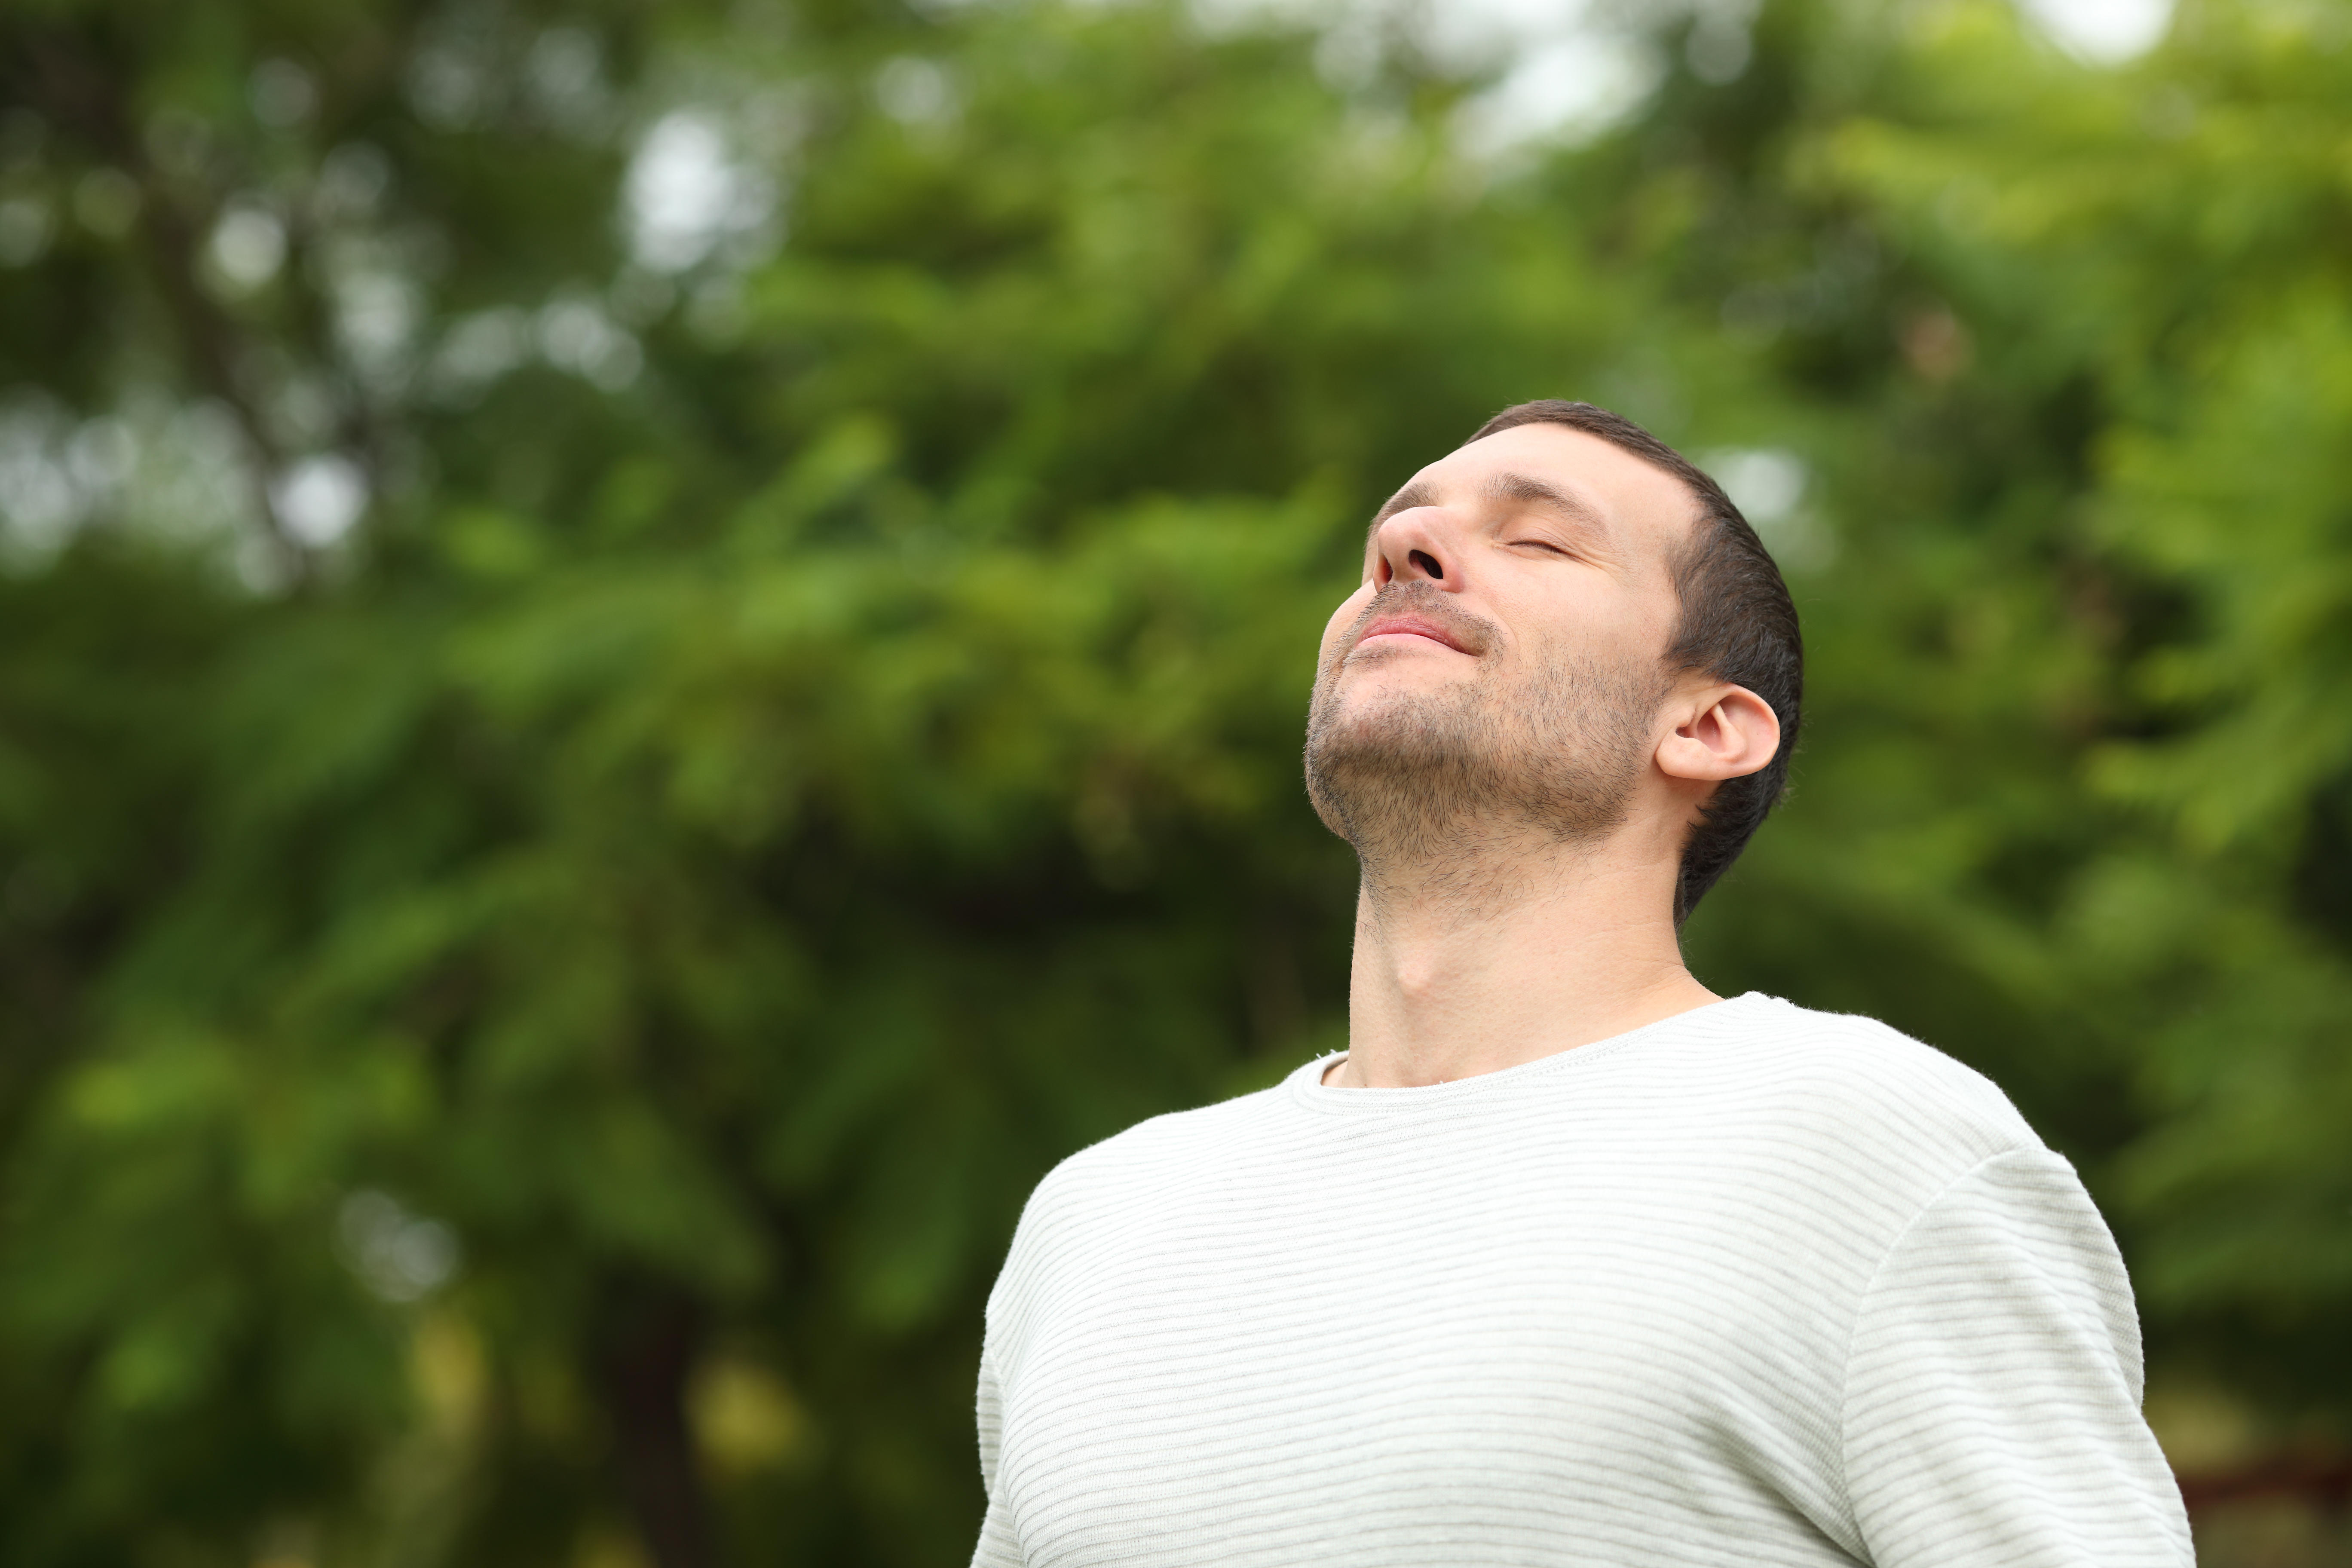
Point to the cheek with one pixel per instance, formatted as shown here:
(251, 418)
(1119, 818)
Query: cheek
(1593, 630)
(1344, 616)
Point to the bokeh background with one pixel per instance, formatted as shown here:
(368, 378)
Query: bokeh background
(650, 653)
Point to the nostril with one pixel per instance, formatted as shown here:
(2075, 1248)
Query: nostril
(1427, 562)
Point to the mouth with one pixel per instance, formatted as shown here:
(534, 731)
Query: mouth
(1400, 628)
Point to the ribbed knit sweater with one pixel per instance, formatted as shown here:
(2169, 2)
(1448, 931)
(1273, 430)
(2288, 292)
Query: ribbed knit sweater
(1751, 1285)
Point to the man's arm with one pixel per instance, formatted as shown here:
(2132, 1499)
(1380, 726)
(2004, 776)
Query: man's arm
(997, 1547)
(1991, 1412)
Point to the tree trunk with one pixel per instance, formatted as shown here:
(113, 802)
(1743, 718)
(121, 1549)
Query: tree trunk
(646, 1351)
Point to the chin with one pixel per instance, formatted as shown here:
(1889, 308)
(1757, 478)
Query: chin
(1369, 710)
(1393, 726)
(1370, 676)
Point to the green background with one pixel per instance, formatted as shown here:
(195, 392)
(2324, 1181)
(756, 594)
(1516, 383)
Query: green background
(598, 772)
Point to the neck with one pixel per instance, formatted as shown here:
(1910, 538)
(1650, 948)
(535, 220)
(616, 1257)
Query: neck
(1520, 950)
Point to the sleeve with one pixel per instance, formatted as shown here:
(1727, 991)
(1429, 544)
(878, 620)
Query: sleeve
(998, 1547)
(1991, 1412)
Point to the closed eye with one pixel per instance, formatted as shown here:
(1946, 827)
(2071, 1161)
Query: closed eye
(1542, 544)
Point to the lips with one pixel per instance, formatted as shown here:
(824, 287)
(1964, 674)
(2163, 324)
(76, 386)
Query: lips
(1411, 627)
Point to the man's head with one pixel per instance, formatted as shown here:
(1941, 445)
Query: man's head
(1563, 628)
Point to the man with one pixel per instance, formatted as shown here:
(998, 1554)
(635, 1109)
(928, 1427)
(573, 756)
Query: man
(1568, 1260)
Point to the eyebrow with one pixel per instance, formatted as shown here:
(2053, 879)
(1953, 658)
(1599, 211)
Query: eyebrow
(1524, 488)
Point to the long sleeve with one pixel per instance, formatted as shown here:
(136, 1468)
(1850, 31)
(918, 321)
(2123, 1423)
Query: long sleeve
(997, 1547)
(1991, 1412)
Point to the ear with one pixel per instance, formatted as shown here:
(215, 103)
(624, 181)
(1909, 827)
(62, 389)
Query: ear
(1727, 731)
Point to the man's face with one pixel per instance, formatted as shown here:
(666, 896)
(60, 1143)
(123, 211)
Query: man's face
(1503, 662)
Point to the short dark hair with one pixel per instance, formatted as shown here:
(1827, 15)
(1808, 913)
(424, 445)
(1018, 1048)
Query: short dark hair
(1737, 624)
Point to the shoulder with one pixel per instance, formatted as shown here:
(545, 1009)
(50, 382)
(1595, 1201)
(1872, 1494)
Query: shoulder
(1860, 1065)
(1865, 1097)
(1155, 1152)
(1107, 1188)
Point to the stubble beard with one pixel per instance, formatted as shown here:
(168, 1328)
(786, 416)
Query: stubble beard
(1432, 784)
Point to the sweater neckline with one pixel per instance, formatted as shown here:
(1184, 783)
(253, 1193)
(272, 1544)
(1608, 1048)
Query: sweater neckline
(1305, 1084)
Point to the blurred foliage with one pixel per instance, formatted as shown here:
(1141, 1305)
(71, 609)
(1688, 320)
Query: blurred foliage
(649, 654)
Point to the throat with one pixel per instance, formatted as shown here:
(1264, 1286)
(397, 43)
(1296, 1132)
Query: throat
(1482, 966)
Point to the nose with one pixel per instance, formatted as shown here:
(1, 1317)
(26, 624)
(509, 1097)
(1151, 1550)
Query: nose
(1414, 546)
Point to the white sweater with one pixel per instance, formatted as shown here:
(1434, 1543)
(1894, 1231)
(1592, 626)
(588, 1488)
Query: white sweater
(1752, 1285)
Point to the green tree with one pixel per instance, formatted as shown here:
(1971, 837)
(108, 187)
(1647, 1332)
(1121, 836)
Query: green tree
(788, 755)
(2182, 224)
(652, 655)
